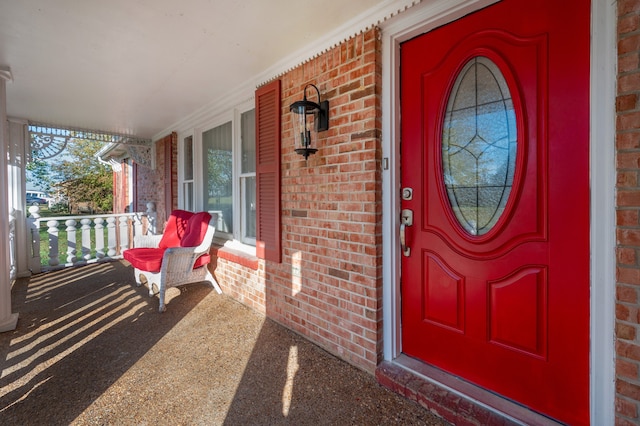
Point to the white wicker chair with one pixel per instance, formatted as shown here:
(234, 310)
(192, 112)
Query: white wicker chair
(177, 267)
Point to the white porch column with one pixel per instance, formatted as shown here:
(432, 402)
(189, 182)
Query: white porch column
(8, 320)
(19, 149)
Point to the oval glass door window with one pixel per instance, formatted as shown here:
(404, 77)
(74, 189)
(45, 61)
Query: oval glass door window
(479, 145)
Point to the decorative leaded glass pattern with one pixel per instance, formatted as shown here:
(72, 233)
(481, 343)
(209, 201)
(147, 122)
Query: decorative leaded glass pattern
(479, 143)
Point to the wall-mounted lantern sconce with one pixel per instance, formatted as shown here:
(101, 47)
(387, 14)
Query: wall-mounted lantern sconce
(307, 115)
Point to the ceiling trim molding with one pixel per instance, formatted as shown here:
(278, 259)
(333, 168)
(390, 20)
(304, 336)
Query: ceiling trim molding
(365, 21)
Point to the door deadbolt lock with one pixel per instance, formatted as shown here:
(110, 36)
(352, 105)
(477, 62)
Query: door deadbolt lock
(407, 193)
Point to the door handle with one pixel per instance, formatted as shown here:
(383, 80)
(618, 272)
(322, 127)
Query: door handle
(406, 251)
(406, 219)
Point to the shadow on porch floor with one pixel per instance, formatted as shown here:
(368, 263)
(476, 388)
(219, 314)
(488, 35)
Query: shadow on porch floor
(91, 348)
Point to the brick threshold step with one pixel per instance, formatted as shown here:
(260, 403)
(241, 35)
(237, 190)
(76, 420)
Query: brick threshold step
(452, 398)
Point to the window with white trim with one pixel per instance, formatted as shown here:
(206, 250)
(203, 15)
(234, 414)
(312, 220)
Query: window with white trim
(187, 167)
(248, 176)
(227, 167)
(217, 170)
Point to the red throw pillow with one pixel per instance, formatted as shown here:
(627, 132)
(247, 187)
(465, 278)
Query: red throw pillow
(196, 229)
(175, 229)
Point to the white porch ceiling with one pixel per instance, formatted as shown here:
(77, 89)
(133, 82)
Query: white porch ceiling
(138, 66)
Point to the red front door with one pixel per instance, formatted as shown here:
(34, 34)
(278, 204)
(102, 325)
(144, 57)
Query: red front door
(495, 157)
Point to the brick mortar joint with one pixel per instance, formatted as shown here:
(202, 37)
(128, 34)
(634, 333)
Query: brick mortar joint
(628, 73)
(624, 132)
(628, 228)
(624, 322)
(625, 171)
(627, 35)
(625, 93)
(634, 265)
(628, 151)
(627, 112)
(631, 12)
(627, 380)
(625, 398)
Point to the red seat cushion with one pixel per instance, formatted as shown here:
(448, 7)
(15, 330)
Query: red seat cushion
(144, 258)
(175, 228)
(196, 229)
(150, 259)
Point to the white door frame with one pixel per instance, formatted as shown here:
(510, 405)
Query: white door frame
(431, 14)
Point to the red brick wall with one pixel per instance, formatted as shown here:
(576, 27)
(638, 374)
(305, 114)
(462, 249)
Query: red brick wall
(628, 209)
(174, 171)
(124, 184)
(120, 195)
(117, 192)
(150, 183)
(240, 276)
(329, 284)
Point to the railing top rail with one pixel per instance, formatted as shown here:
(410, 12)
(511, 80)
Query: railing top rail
(90, 216)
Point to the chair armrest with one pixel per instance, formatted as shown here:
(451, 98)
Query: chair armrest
(181, 258)
(150, 241)
(185, 251)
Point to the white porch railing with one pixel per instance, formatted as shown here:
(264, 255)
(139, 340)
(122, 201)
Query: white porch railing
(85, 239)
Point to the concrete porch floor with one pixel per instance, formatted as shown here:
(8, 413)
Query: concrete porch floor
(91, 348)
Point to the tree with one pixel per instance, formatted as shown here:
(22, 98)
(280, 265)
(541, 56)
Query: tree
(82, 178)
(220, 173)
(39, 174)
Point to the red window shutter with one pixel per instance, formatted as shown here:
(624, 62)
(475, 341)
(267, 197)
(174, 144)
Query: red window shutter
(169, 172)
(268, 110)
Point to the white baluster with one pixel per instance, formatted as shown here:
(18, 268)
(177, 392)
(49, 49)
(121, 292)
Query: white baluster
(86, 238)
(34, 212)
(99, 232)
(111, 236)
(52, 232)
(137, 224)
(71, 240)
(124, 233)
(152, 217)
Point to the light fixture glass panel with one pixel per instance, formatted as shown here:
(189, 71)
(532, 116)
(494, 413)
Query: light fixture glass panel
(303, 119)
